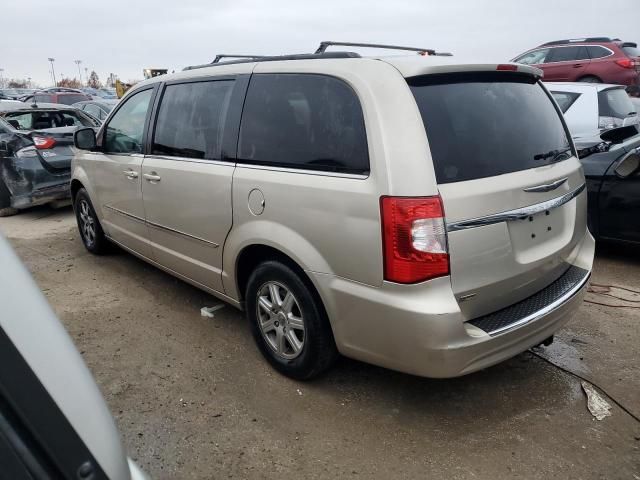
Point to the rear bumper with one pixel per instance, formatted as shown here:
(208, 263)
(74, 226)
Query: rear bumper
(419, 329)
(42, 195)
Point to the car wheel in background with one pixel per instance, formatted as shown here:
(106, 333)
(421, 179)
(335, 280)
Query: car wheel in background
(8, 211)
(590, 79)
(288, 323)
(90, 230)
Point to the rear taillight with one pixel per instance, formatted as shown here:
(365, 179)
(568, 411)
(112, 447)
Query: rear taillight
(414, 239)
(43, 143)
(628, 63)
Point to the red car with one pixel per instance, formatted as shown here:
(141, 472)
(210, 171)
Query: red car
(597, 60)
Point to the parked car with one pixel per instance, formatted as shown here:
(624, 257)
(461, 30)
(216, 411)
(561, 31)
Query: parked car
(393, 209)
(594, 60)
(66, 98)
(591, 109)
(98, 109)
(36, 147)
(54, 423)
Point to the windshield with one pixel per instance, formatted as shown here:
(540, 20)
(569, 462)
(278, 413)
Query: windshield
(486, 124)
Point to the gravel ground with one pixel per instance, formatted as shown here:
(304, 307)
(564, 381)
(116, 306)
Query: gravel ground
(194, 399)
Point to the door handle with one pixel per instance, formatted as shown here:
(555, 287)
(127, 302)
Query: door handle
(131, 174)
(577, 65)
(151, 177)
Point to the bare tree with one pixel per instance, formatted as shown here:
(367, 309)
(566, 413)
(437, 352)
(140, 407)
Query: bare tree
(70, 83)
(94, 81)
(17, 83)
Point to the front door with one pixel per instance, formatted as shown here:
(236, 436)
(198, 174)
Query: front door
(185, 185)
(564, 64)
(118, 174)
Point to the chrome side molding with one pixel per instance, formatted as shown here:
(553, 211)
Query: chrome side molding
(516, 214)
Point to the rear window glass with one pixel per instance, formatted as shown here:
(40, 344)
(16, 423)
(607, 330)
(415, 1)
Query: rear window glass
(303, 121)
(39, 120)
(43, 98)
(71, 98)
(615, 103)
(487, 124)
(565, 99)
(191, 118)
(630, 51)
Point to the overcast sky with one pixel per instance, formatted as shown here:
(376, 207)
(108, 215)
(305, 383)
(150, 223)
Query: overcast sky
(126, 36)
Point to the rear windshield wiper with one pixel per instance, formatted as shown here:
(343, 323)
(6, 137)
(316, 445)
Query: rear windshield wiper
(554, 155)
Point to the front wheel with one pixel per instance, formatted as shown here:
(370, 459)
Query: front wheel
(91, 232)
(287, 322)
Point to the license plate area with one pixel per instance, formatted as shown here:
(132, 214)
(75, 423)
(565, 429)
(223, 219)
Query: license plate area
(540, 234)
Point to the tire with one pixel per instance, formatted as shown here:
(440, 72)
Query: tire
(590, 79)
(89, 226)
(296, 319)
(8, 211)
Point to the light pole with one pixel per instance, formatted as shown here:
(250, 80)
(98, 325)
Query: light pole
(1, 78)
(78, 62)
(28, 82)
(53, 72)
(86, 75)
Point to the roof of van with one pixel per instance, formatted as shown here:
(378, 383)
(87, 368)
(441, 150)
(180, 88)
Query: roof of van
(407, 65)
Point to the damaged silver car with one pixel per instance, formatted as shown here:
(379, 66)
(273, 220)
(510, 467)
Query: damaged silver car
(36, 148)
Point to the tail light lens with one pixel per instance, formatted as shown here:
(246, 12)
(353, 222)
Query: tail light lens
(628, 63)
(414, 239)
(43, 143)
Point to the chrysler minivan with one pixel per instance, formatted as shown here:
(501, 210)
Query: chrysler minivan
(416, 212)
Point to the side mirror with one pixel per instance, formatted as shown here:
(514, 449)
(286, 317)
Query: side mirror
(85, 139)
(627, 166)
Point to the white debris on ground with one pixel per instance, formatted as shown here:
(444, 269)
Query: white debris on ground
(209, 311)
(596, 404)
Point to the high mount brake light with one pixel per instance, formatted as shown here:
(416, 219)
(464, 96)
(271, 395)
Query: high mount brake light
(414, 239)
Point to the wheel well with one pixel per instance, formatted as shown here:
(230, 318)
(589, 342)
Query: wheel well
(581, 79)
(253, 255)
(75, 186)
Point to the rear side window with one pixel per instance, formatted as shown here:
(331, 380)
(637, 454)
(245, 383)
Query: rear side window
(191, 119)
(615, 103)
(487, 124)
(303, 121)
(596, 51)
(631, 51)
(565, 99)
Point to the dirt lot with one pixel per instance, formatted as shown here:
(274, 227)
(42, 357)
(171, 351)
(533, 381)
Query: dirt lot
(194, 399)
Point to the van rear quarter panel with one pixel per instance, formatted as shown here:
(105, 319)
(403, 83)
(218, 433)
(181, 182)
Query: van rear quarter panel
(331, 223)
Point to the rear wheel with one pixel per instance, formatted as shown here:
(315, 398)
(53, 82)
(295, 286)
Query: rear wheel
(288, 323)
(8, 211)
(590, 79)
(88, 224)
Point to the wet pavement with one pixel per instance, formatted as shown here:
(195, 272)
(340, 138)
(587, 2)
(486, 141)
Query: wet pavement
(194, 399)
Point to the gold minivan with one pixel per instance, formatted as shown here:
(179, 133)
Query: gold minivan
(413, 212)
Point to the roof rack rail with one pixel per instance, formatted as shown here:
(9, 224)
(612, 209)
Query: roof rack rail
(424, 51)
(578, 40)
(275, 58)
(225, 55)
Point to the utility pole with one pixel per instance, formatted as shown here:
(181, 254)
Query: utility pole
(53, 72)
(78, 62)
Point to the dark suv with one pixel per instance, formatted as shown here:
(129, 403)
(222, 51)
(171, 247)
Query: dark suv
(597, 60)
